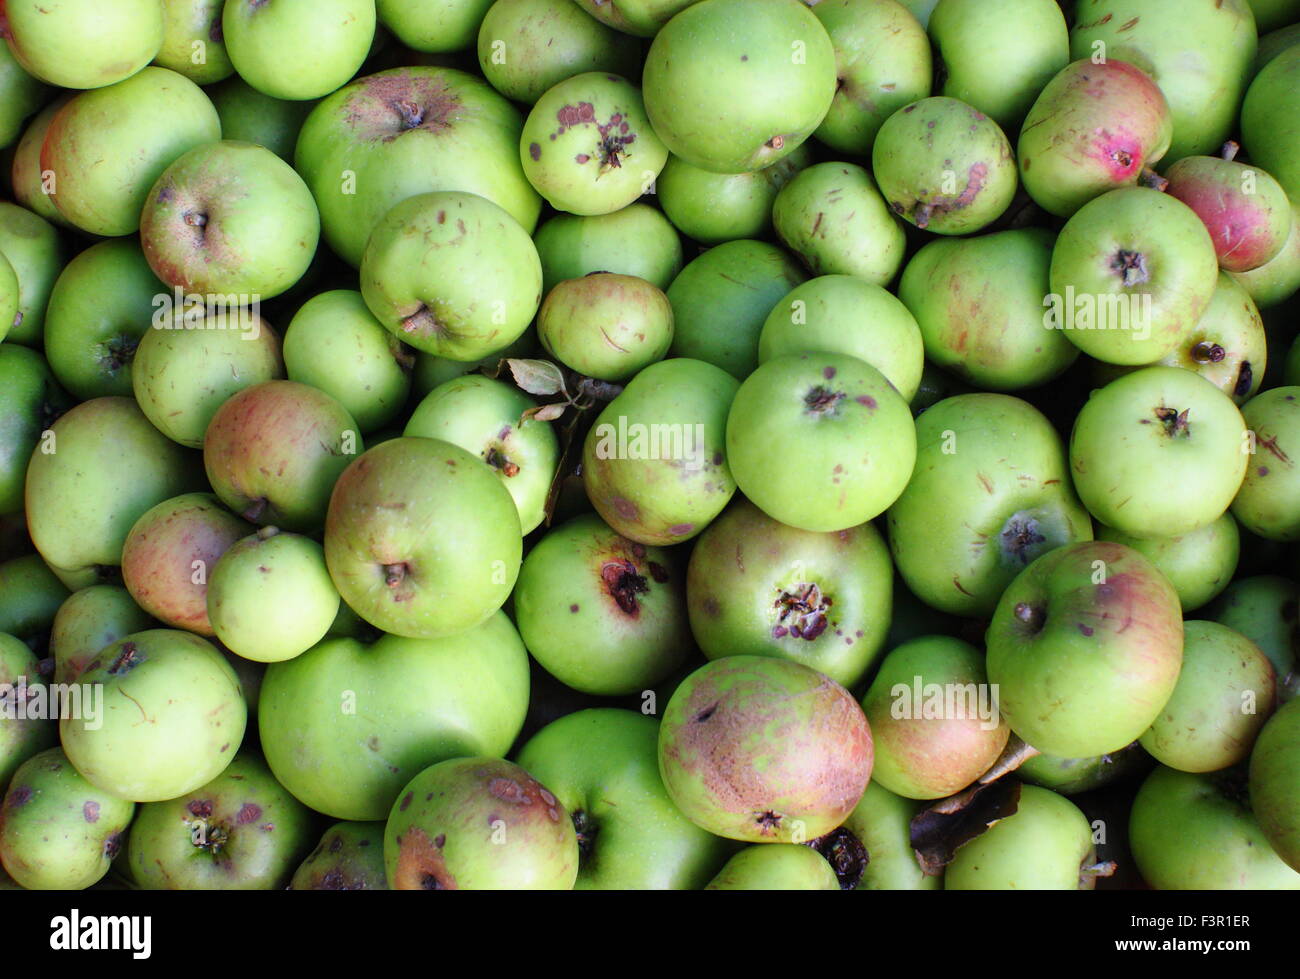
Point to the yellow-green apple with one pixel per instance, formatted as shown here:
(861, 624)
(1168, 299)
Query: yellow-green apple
(715, 207)
(776, 867)
(258, 33)
(83, 43)
(193, 43)
(636, 240)
(1268, 502)
(606, 325)
(87, 621)
(250, 116)
(1199, 564)
(34, 250)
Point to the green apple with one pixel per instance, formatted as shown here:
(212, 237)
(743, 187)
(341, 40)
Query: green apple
(587, 146)
(273, 452)
(193, 43)
(944, 166)
(882, 822)
(452, 274)
(1094, 127)
(270, 597)
(391, 563)
(258, 33)
(756, 587)
(882, 63)
(1266, 610)
(602, 765)
(486, 417)
(722, 298)
(171, 552)
(990, 470)
(33, 594)
(348, 723)
(654, 463)
(230, 218)
(58, 831)
(21, 738)
(30, 401)
(434, 25)
(1072, 776)
(1200, 56)
(195, 708)
(1158, 453)
(99, 310)
(776, 867)
(734, 85)
(602, 614)
(105, 465)
(32, 186)
(450, 131)
(240, 832)
(637, 240)
(1223, 697)
(1199, 564)
(193, 361)
(1277, 281)
(934, 718)
(641, 18)
(845, 314)
(1273, 782)
(8, 296)
(84, 43)
(605, 325)
(106, 147)
(835, 218)
(479, 824)
(1197, 832)
(764, 750)
(86, 622)
(34, 250)
(1268, 502)
(1027, 40)
(1045, 845)
(250, 116)
(1085, 647)
(334, 343)
(715, 207)
(527, 46)
(854, 432)
(978, 302)
(23, 95)
(350, 857)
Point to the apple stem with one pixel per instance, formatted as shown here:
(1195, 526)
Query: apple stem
(1152, 180)
(267, 532)
(1015, 754)
(1230, 150)
(1092, 871)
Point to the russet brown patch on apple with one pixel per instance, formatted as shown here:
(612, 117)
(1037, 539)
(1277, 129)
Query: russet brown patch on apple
(420, 863)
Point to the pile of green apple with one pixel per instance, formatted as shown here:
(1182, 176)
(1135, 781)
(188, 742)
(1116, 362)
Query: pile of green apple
(560, 443)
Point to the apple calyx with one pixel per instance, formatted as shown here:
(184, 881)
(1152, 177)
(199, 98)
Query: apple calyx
(113, 846)
(1032, 617)
(1174, 421)
(1208, 352)
(802, 612)
(395, 574)
(1020, 535)
(128, 658)
(624, 583)
(822, 400)
(209, 837)
(587, 830)
(118, 352)
(409, 112)
(768, 822)
(846, 854)
(1131, 266)
(499, 461)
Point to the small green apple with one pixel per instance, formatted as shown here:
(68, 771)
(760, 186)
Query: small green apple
(350, 857)
(1274, 786)
(636, 240)
(30, 401)
(84, 43)
(87, 621)
(250, 116)
(35, 251)
(1199, 564)
(192, 41)
(20, 738)
(776, 867)
(882, 821)
(1266, 610)
(606, 325)
(33, 593)
(1268, 502)
(257, 35)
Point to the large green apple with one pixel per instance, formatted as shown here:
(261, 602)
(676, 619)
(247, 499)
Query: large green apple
(1199, 564)
(587, 146)
(408, 131)
(845, 314)
(192, 362)
(33, 247)
(602, 764)
(347, 724)
(83, 43)
(637, 240)
(1268, 502)
(654, 463)
(1197, 832)
(86, 622)
(230, 219)
(393, 519)
(934, 718)
(764, 750)
(30, 401)
(242, 831)
(102, 467)
(978, 302)
(1275, 782)
(58, 831)
(107, 147)
(479, 824)
(715, 207)
(882, 63)
(756, 587)
(990, 492)
(193, 703)
(602, 614)
(192, 41)
(452, 274)
(1026, 39)
(258, 33)
(99, 310)
(722, 298)
(855, 439)
(1158, 453)
(1199, 55)
(1085, 647)
(734, 85)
